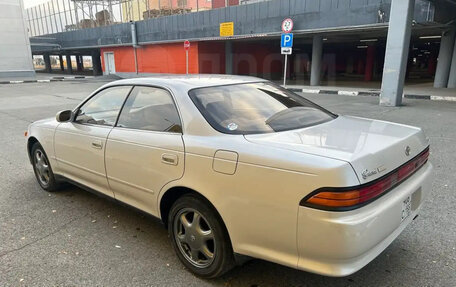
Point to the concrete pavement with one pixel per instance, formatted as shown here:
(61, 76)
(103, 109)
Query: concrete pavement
(419, 92)
(74, 238)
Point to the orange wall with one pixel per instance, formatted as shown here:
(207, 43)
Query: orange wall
(167, 58)
(159, 58)
(262, 59)
(123, 57)
(211, 56)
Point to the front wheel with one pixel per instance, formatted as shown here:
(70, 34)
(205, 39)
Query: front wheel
(42, 169)
(199, 237)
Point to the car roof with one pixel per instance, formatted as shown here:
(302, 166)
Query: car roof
(188, 82)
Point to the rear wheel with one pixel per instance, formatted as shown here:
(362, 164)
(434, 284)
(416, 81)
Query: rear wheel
(42, 169)
(199, 237)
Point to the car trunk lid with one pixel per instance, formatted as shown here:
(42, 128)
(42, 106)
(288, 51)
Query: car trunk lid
(372, 147)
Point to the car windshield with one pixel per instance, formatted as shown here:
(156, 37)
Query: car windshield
(256, 108)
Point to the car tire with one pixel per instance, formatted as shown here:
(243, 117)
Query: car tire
(42, 169)
(203, 236)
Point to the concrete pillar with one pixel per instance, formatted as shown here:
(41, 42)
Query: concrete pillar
(444, 60)
(47, 63)
(79, 63)
(397, 49)
(228, 57)
(452, 77)
(96, 63)
(69, 65)
(317, 52)
(370, 59)
(62, 67)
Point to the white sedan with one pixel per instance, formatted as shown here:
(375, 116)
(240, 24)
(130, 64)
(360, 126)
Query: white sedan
(237, 167)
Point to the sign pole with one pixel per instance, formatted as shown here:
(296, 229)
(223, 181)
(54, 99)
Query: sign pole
(286, 45)
(186, 60)
(186, 47)
(285, 72)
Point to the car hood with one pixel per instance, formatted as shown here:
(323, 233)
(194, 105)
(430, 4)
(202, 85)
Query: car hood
(372, 147)
(45, 121)
(49, 123)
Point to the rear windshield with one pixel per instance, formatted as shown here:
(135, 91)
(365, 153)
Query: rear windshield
(256, 108)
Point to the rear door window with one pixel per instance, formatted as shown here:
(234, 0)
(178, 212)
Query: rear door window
(151, 109)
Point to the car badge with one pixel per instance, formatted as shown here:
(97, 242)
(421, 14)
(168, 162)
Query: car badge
(407, 151)
(366, 173)
(381, 168)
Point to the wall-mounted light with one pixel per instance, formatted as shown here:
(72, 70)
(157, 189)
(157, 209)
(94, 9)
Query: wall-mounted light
(431, 37)
(361, 47)
(368, 40)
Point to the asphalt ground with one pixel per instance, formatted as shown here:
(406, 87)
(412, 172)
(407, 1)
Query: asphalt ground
(75, 238)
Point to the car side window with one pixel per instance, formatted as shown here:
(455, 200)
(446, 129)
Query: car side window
(104, 107)
(151, 109)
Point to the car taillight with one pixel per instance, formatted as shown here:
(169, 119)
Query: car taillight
(348, 198)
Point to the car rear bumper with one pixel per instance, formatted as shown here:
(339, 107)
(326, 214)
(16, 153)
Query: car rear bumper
(341, 243)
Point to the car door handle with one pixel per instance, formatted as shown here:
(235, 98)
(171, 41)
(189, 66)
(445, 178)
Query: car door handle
(169, 159)
(97, 144)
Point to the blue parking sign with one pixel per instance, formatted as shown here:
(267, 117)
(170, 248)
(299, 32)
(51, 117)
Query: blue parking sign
(286, 40)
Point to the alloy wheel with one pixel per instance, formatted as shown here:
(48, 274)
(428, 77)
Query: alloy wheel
(42, 167)
(194, 237)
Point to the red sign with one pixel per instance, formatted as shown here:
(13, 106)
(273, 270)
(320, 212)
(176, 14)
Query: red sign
(186, 44)
(287, 25)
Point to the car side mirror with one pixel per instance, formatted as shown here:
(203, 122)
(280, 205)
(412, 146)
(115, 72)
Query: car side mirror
(64, 116)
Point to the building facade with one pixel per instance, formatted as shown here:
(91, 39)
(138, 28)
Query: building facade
(335, 40)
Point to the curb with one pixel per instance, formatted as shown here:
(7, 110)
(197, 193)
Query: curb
(53, 79)
(371, 94)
